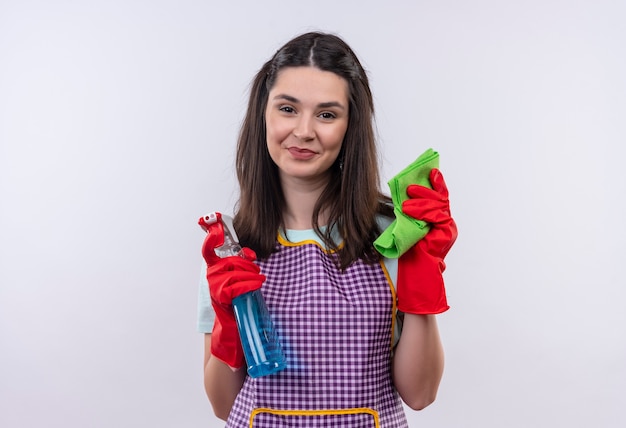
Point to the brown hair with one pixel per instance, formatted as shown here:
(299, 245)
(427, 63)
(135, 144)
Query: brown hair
(352, 196)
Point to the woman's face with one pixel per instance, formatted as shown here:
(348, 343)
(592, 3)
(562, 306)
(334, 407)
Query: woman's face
(306, 119)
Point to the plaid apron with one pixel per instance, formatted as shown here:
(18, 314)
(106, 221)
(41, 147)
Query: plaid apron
(335, 328)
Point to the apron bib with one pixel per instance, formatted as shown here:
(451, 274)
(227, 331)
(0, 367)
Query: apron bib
(335, 328)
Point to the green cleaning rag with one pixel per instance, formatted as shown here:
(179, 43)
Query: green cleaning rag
(405, 231)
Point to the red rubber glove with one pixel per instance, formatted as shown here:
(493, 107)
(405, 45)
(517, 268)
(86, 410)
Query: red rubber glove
(420, 288)
(228, 278)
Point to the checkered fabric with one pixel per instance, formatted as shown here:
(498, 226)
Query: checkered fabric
(335, 328)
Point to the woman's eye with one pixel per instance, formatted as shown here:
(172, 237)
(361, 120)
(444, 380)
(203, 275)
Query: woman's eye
(327, 115)
(287, 109)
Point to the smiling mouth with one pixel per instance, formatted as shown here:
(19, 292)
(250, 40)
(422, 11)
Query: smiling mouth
(301, 154)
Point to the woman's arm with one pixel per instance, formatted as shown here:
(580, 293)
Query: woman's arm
(418, 361)
(221, 383)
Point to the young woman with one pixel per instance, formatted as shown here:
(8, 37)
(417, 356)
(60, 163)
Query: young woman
(310, 208)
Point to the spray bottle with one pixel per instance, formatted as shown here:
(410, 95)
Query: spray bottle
(261, 347)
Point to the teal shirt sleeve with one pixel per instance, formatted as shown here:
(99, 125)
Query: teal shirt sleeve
(206, 315)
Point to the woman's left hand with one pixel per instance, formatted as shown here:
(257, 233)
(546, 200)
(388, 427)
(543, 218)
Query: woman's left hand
(420, 287)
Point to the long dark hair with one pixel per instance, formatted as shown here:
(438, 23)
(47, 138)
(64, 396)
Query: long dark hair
(352, 197)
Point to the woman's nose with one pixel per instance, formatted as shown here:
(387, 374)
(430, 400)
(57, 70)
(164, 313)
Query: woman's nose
(304, 129)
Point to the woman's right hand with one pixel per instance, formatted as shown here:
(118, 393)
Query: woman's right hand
(228, 278)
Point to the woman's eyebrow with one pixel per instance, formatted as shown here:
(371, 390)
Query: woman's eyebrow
(332, 104)
(287, 98)
(294, 100)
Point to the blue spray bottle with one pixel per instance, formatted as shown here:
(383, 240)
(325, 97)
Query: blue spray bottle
(261, 347)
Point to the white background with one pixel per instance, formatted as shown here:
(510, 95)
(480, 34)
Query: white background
(118, 121)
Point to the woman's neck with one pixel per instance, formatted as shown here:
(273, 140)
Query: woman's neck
(300, 199)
